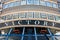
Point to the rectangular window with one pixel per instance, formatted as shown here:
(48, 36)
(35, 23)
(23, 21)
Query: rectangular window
(5, 6)
(23, 22)
(36, 2)
(55, 5)
(30, 15)
(57, 18)
(21, 15)
(4, 17)
(23, 2)
(2, 24)
(15, 3)
(30, 2)
(18, 3)
(44, 16)
(15, 16)
(8, 17)
(42, 3)
(49, 24)
(57, 25)
(36, 15)
(10, 4)
(9, 23)
(49, 4)
(51, 17)
(16, 22)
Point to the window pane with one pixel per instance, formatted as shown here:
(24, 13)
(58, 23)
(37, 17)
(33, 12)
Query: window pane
(9, 23)
(21, 15)
(29, 38)
(55, 5)
(36, 15)
(50, 17)
(57, 25)
(42, 3)
(29, 30)
(49, 4)
(10, 4)
(31, 22)
(2, 24)
(8, 17)
(29, 1)
(23, 2)
(30, 15)
(23, 22)
(57, 18)
(15, 16)
(17, 3)
(5, 6)
(49, 24)
(41, 23)
(44, 16)
(16, 22)
(4, 17)
(36, 2)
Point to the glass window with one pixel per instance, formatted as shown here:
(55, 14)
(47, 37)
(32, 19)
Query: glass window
(16, 22)
(51, 17)
(21, 15)
(8, 17)
(18, 3)
(23, 22)
(41, 23)
(59, 5)
(30, 15)
(42, 3)
(10, 5)
(4, 17)
(2, 24)
(5, 6)
(23, 2)
(43, 15)
(29, 37)
(55, 5)
(36, 15)
(15, 3)
(49, 4)
(56, 25)
(30, 2)
(29, 30)
(31, 22)
(15, 16)
(49, 24)
(9, 23)
(57, 18)
(36, 2)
